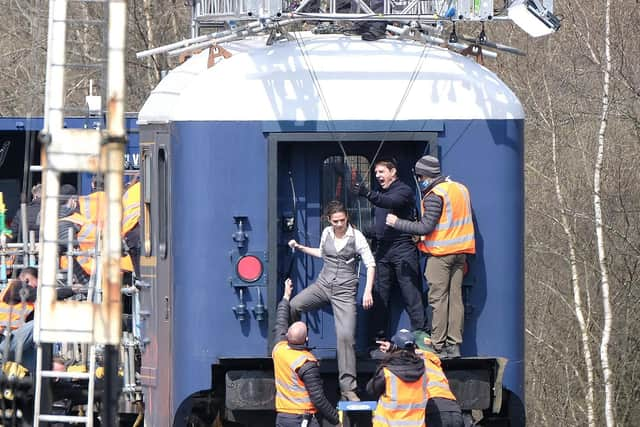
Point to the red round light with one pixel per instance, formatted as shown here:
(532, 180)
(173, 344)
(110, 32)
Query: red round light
(249, 268)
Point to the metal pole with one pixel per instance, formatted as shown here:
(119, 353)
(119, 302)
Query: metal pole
(70, 257)
(53, 122)
(33, 250)
(111, 387)
(112, 155)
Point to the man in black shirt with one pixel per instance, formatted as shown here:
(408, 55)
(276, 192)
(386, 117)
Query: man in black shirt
(396, 254)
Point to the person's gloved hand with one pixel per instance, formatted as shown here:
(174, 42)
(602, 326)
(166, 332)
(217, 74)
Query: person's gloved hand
(361, 189)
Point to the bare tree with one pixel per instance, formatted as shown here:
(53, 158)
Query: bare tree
(597, 207)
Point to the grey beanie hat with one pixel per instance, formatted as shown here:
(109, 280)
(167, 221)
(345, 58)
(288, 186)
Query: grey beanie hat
(428, 166)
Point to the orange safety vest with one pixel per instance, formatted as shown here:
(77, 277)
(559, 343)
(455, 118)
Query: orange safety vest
(291, 395)
(438, 385)
(90, 218)
(454, 233)
(79, 220)
(13, 315)
(402, 403)
(131, 208)
(92, 209)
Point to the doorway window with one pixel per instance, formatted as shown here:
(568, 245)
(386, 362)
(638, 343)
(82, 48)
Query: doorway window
(339, 175)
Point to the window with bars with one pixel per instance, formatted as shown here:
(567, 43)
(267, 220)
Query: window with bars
(339, 175)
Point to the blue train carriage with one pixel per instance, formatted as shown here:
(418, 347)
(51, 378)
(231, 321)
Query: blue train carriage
(19, 136)
(241, 157)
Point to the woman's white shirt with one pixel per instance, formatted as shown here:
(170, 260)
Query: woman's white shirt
(362, 247)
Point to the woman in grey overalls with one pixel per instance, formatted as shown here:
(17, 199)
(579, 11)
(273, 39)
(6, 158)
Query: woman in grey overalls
(337, 284)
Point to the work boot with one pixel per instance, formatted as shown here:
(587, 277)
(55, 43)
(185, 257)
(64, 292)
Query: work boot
(453, 351)
(372, 31)
(351, 396)
(370, 36)
(441, 352)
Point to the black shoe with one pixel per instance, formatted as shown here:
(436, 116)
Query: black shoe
(453, 351)
(371, 37)
(441, 352)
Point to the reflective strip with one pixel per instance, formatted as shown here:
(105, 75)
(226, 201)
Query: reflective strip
(403, 406)
(438, 384)
(460, 239)
(432, 370)
(129, 217)
(404, 423)
(295, 387)
(394, 387)
(86, 230)
(86, 263)
(302, 400)
(16, 310)
(456, 223)
(296, 363)
(449, 210)
(85, 207)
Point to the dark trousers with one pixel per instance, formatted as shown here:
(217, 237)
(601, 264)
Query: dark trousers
(443, 413)
(444, 419)
(397, 263)
(293, 420)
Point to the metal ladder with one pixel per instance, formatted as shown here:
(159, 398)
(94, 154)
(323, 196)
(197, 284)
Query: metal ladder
(80, 150)
(46, 373)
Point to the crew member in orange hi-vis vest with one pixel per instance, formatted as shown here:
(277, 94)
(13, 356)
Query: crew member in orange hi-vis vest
(89, 219)
(399, 384)
(443, 409)
(17, 305)
(300, 398)
(447, 236)
(131, 226)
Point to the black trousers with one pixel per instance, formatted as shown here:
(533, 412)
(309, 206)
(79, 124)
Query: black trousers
(294, 420)
(444, 419)
(397, 264)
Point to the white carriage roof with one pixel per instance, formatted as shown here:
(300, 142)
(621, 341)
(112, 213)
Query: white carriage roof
(320, 77)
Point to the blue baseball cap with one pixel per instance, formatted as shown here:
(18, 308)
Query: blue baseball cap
(404, 339)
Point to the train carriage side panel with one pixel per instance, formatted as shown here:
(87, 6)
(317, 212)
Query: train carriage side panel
(219, 175)
(488, 157)
(156, 297)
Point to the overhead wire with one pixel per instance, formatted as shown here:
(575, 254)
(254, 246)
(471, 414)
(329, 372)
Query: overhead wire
(331, 124)
(405, 95)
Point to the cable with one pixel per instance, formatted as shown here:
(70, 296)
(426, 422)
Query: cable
(405, 95)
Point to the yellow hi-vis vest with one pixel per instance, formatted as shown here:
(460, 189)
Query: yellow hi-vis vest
(13, 315)
(292, 396)
(454, 233)
(92, 208)
(131, 208)
(438, 385)
(402, 404)
(90, 219)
